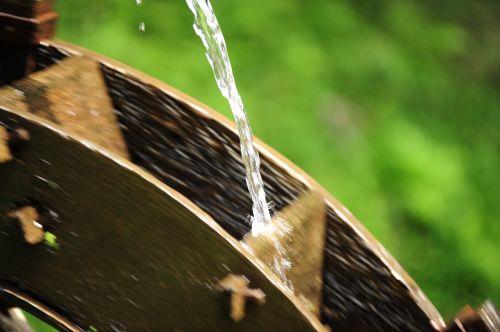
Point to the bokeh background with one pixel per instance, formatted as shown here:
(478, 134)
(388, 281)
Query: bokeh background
(393, 106)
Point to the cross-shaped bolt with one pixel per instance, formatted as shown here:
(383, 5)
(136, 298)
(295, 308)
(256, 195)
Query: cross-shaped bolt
(240, 293)
(28, 218)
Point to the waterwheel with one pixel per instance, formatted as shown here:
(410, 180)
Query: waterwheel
(123, 208)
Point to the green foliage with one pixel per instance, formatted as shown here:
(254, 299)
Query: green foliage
(37, 324)
(392, 105)
(51, 240)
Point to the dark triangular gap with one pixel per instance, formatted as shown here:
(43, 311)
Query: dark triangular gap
(48, 55)
(359, 291)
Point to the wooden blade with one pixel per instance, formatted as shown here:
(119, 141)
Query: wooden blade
(72, 94)
(299, 231)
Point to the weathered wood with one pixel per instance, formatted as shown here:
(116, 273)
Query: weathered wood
(134, 254)
(26, 8)
(72, 94)
(299, 239)
(5, 154)
(24, 23)
(27, 21)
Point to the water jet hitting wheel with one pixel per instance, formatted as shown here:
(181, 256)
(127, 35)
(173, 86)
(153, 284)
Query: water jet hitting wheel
(138, 190)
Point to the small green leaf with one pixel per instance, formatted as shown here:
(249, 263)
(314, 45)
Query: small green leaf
(51, 240)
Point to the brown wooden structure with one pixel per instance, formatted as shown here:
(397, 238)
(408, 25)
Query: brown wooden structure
(143, 188)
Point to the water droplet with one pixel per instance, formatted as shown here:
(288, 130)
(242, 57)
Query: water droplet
(50, 183)
(45, 161)
(117, 327)
(142, 27)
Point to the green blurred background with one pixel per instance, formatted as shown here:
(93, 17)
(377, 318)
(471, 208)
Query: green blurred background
(393, 106)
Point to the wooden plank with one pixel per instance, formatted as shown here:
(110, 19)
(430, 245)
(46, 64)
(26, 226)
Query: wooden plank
(299, 230)
(24, 23)
(5, 155)
(72, 94)
(26, 8)
(20, 30)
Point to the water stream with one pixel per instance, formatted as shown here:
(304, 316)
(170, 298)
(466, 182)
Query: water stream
(208, 29)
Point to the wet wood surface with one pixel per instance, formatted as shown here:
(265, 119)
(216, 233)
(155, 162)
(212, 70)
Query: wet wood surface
(131, 255)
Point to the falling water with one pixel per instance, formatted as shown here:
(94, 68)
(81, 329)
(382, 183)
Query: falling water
(207, 28)
(142, 26)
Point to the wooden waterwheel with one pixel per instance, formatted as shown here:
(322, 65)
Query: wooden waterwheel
(123, 208)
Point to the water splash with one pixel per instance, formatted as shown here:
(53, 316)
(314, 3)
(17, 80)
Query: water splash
(207, 28)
